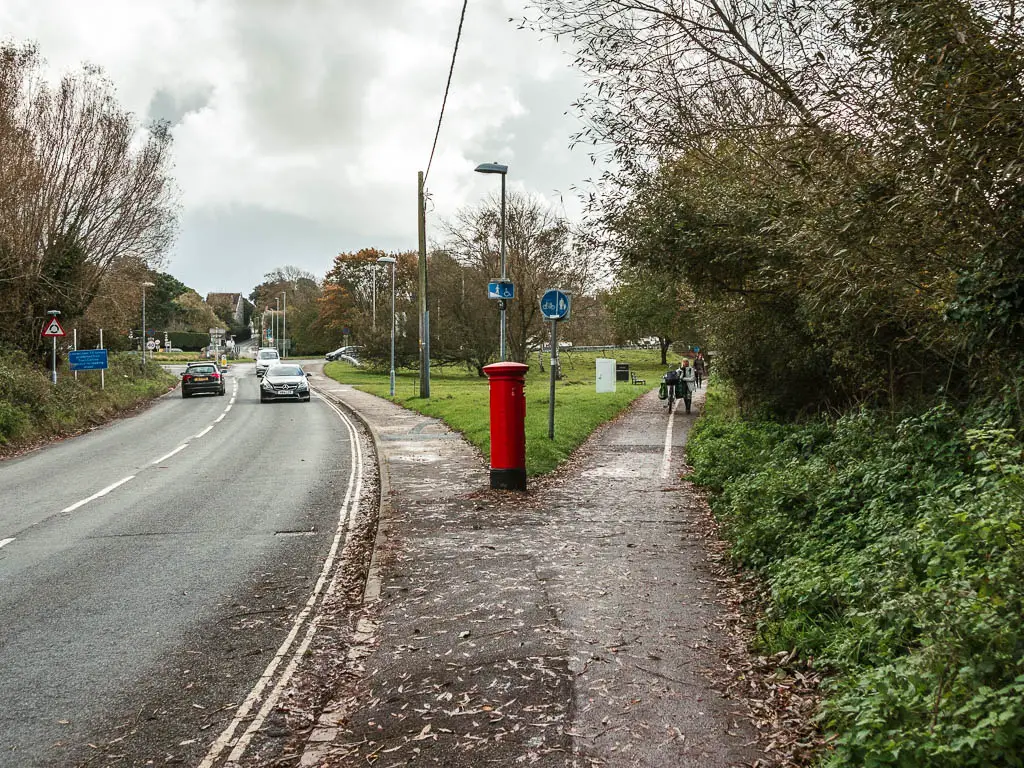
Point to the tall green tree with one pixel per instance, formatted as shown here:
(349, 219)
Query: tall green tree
(845, 173)
(646, 303)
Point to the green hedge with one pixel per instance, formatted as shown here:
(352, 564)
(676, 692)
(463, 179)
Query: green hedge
(894, 551)
(32, 408)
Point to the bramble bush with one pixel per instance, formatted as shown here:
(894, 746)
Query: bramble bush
(894, 553)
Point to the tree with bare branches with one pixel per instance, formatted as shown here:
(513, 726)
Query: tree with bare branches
(80, 191)
(540, 254)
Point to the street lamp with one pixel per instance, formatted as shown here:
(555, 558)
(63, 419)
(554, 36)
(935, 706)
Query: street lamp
(145, 336)
(284, 326)
(503, 170)
(277, 322)
(391, 260)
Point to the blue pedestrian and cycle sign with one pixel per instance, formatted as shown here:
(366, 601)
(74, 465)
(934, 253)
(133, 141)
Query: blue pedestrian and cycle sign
(555, 305)
(501, 289)
(88, 359)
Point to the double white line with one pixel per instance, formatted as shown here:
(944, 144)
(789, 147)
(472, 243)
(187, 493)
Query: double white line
(290, 652)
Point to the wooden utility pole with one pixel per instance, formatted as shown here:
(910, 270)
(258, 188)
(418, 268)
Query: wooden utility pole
(424, 306)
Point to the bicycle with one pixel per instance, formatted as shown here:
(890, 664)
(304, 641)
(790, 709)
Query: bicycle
(669, 382)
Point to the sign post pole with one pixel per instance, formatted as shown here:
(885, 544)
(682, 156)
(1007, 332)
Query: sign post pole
(555, 305)
(53, 330)
(551, 389)
(103, 373)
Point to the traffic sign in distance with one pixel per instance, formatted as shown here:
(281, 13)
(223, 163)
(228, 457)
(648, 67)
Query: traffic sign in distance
(501, 289)
(555, 305)
(53, 328)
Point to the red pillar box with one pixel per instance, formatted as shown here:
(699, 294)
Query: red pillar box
(508, 425)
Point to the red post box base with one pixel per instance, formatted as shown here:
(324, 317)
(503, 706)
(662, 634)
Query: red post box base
(508, 479)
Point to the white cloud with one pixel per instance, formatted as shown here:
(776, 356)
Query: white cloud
(313, 116)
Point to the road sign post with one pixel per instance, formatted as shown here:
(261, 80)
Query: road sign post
(53, 329)
(502, 290)
(555, 305)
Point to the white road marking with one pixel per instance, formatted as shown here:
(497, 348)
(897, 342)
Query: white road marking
(5, 542)
(97, 495)
(203, 432)
(347, 517)
(220, 418)
(168, 455)
(666, 461)
(228, 408)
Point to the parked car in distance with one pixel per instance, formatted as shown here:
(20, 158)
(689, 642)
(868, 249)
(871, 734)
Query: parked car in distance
(266, 358)
(200, 378)
(348, 351)
(284, 381)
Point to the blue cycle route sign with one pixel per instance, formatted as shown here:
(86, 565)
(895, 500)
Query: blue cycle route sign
(501, 289)
(555, 305)
(88, 359)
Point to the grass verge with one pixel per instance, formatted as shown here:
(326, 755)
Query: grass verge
(33, 410)
(894, 553)
(460, 399)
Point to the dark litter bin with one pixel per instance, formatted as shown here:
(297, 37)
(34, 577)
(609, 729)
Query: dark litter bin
(622, 371)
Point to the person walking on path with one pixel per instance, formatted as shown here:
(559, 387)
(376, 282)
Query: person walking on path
(687, 382)
(570, 625)
(700, 368)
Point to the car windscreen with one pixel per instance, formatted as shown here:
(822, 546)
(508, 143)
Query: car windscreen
(285, 370)
(269, 355)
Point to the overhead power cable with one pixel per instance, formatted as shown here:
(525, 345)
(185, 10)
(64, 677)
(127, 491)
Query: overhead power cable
(444, 101)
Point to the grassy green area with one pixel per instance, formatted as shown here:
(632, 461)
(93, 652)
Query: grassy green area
(33, 409)
(461, 399)
(894, 552)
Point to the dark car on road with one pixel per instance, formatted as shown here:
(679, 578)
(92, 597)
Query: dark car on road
(284, 381)
(200, 378)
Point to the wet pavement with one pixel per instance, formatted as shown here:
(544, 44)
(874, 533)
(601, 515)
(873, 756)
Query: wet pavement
(573, 625)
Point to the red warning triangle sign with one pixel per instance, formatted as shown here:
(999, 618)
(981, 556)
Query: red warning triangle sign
(53, 328)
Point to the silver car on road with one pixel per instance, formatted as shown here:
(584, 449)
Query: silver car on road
(266, 358)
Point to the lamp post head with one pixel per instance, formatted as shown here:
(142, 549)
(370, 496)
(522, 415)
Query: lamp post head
(148, 284)
(492, 168)
(53, 312)
(386, 260)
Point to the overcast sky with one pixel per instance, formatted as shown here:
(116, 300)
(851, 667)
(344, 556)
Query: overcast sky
(299, 126)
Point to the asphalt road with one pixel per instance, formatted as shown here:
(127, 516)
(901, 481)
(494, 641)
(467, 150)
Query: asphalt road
(153, 570)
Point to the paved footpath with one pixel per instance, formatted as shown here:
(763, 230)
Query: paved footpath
(573, 625)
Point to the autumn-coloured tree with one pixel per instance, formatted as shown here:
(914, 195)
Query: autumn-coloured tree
(356, 304)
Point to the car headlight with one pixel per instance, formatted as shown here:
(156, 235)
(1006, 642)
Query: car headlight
(266, 384)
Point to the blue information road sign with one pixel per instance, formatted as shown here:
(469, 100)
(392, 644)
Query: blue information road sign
(501, 289)
(88, 359)
(556, 305)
